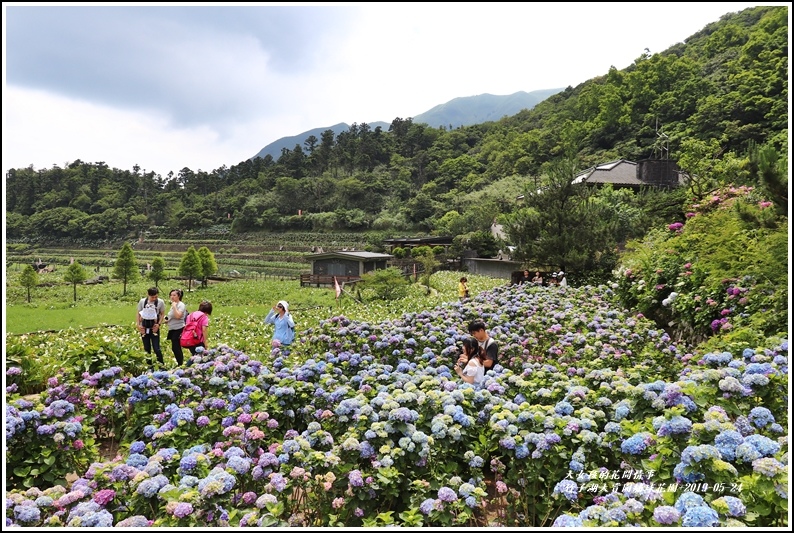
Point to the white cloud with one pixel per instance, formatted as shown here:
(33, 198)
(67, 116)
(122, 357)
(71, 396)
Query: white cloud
(65, 129)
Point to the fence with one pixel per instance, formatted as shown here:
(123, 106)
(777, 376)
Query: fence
(317, 279)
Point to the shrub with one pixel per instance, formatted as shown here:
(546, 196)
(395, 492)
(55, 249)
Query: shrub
(385, 284)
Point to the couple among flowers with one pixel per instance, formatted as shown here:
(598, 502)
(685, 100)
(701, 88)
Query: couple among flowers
(478, 355)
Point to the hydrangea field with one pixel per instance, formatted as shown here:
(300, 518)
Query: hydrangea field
(593, 417)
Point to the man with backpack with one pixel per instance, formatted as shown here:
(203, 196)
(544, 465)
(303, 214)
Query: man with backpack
(490, 348)
(149, 319)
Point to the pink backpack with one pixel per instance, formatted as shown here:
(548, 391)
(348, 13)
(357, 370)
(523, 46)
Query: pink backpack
(193, 334)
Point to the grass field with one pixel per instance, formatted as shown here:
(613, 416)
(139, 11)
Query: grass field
(52, 308)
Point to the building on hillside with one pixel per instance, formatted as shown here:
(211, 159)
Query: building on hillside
(622, 173)
(495, 268)
(345, 266)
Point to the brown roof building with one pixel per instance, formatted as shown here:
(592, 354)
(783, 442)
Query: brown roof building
(622, 173)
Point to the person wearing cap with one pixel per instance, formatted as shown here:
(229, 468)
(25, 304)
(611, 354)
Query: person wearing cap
(280, 317)
(561, 281)
(553, 279)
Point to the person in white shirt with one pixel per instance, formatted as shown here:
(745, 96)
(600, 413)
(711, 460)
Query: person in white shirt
(469, 365)
(561, 279)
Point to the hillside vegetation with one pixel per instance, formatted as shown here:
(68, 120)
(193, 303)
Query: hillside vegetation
(718, 97)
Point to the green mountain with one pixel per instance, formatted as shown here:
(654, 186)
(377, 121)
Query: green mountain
(469, 110)
(463, 111)
(275, 148)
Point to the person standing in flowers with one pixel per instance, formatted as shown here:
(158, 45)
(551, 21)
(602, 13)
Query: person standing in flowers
(149, 318)
(280, 317)
(202, 320)
(469, 366)
(463, 288)
(175, 320)
(490, 348)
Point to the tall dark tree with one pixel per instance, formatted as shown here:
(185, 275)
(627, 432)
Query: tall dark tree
(560, 226)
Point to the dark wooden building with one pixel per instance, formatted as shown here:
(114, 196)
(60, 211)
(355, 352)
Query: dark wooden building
(345, 266)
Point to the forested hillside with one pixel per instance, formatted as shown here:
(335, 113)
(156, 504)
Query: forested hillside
(718, 97)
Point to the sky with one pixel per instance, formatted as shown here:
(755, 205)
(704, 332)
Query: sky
(206, 85)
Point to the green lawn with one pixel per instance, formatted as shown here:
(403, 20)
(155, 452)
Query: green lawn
(22, 319)
(52, 308)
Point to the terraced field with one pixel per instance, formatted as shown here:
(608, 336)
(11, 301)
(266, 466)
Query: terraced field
(273, 255)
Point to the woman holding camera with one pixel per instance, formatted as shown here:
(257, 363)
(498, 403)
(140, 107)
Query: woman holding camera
(280, 317)
(469, 365)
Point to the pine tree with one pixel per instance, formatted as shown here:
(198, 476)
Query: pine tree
(75, 274)
(561, 227)
(190, 266)
(208, 264)
(158, 271)
(29, 278)
(126, 267)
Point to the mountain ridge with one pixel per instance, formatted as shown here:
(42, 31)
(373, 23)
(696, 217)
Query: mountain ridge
(460, 111)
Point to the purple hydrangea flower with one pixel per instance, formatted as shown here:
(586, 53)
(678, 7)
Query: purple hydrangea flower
(446, 494)
(666, 515)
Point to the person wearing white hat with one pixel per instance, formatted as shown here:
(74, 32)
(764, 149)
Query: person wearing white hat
(280, 317)
(561, 279)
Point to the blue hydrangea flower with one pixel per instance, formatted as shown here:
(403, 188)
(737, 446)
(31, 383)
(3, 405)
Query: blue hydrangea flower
(563, 408)
(566, 520)
(700, 516)
(735, 506)
(726, 443)
(688, 500)
(137, 460)
(137, 446)
(427, 506)
(768, 466)
(677, 425)
(567, 488)
(764, 445)
(761, 417)
(637, 443)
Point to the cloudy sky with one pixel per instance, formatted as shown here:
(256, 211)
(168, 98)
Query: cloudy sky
(206, 85)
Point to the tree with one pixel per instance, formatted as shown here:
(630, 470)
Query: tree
(190, 266)
(425, 255)
(75, 274)
(386, 283)
(126, 267)
(208, 264)
(29, 278)
(562, 226)
(158, 270)
(772, 171)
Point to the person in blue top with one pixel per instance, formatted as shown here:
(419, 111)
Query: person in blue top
(285, 327)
